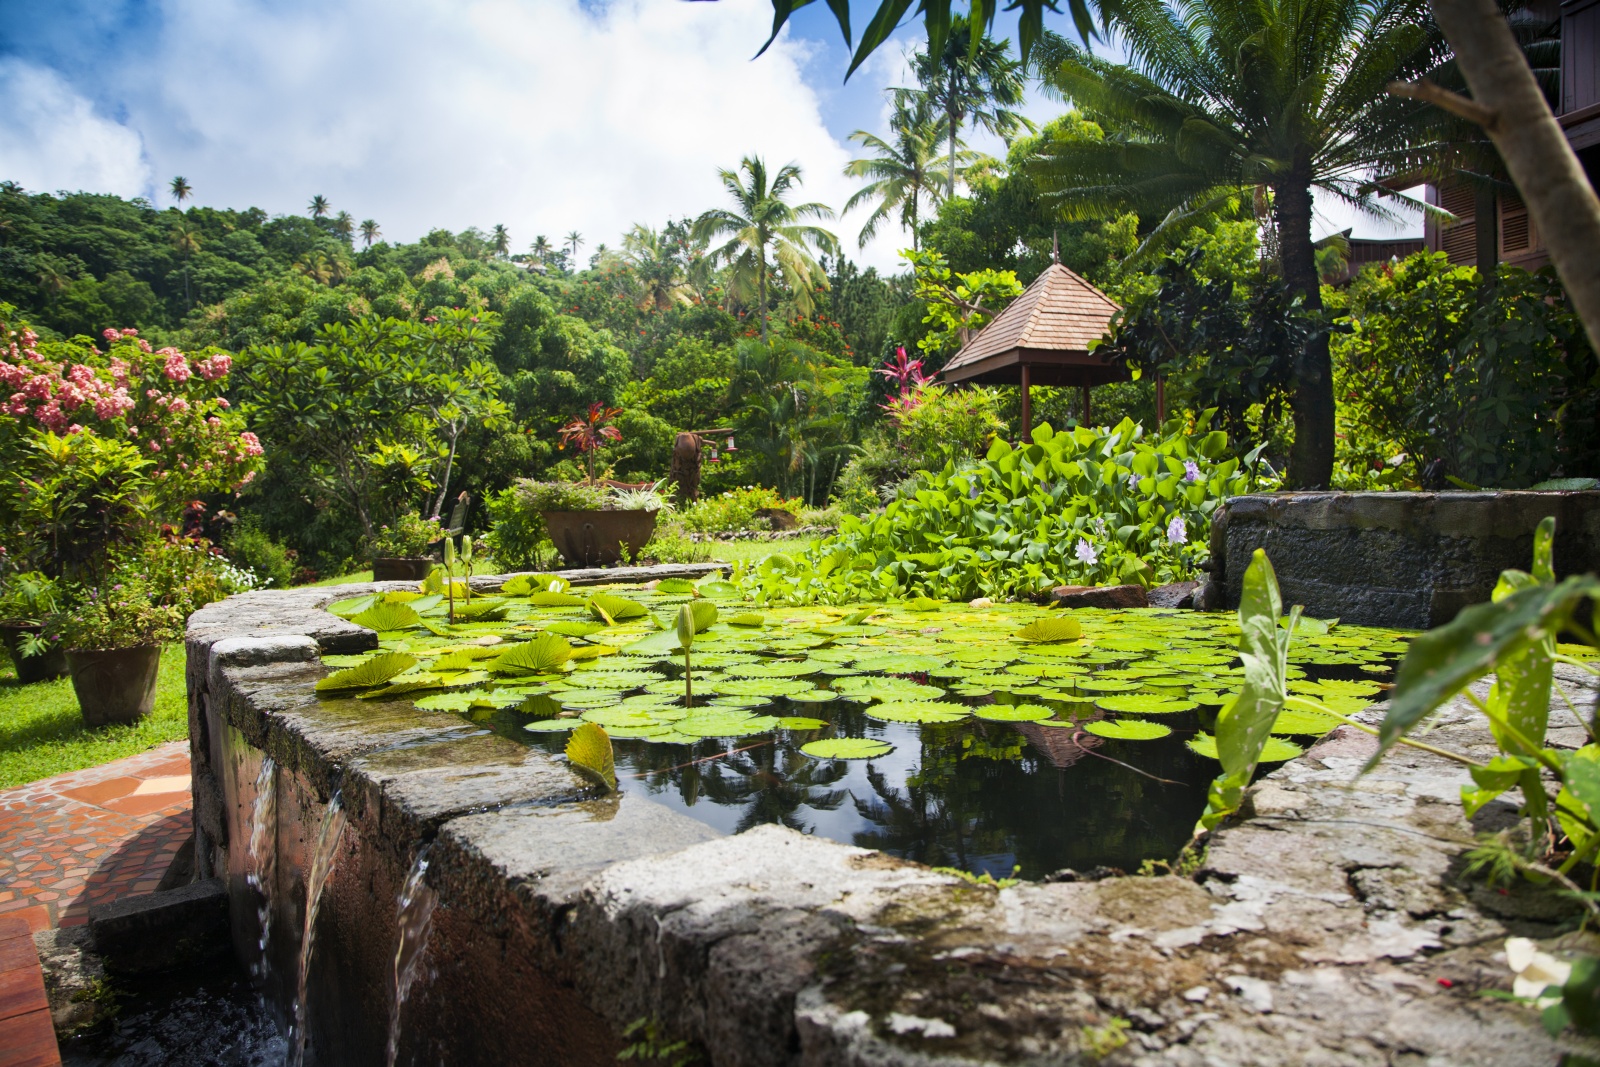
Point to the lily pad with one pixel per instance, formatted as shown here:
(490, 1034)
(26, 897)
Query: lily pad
(387, 617)
(899, 663)
(847, 748)
(1309, 723)
(1144, 704)
(928, 711)
(1011, 712)
(801, 722)
(589, 752)
(814, 696)
(371, 672)
(1048, 630)
(1127, 729)
(552, 726)
(1276, 751)
(531, 657)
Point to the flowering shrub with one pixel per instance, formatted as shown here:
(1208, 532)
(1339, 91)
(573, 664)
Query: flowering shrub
(98, 445)
(1086, 506)
(734, 510)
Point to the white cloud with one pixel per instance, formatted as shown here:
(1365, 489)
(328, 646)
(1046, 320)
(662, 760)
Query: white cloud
(543, 115)
(51, 138)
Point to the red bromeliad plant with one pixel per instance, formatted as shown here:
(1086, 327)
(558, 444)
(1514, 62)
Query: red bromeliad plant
(588, 432)
(908, 378)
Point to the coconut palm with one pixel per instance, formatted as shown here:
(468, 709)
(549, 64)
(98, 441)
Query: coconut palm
(764, 220)
(344, 225)
(501, 240)
(657, 261)
(574, 242)
(186, 240)
(369, 232)
(1271, 100)
(902, 170)
(972, 80)
(318, 206)
(181, 189)
(541, 248)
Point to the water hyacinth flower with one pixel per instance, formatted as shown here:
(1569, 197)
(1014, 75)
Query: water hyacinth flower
(1191, 471)
(1177, 532)
(1086, 553)
(1535, 971)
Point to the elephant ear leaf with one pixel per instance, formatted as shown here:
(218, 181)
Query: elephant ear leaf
(388, 617)
(375, 671)
(589, 752)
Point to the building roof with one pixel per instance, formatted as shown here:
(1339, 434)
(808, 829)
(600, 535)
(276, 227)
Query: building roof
(1049, 328)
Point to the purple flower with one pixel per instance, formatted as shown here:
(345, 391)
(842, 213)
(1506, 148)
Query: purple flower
(1177, 532)
(1086, 553)
(1191, 471)
(972, 493)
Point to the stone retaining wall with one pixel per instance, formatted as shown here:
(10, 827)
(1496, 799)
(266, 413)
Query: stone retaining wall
(1410, 560)
(1316, 932)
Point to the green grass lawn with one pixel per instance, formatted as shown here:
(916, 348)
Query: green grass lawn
(752, 551)
(42, 732)
(346, 579)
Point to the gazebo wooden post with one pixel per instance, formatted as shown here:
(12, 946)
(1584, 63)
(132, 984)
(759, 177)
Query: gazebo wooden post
(1027, 407)
(1087, 417)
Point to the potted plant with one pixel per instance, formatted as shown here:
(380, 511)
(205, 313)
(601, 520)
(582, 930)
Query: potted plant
(25, 600)
(591, 524)
(400, 552)
(113, 634)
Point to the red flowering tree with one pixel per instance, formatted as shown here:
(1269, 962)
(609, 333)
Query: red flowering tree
(99, 446)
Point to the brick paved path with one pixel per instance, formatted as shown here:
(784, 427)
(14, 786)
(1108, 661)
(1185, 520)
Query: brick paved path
(92, 836)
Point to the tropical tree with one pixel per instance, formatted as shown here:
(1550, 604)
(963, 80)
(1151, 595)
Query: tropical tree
(181, 189)
(501, 240)
(1269, 101)
(318, 206)
(590, 431)
(761, 220)
(370, 232)
(344, 225)
(186, 240)
(972, 78)
(657, 261)
(901, 170)
(574, 242)
(541, 248)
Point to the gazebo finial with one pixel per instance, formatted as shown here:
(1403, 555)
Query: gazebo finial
(1055, 246)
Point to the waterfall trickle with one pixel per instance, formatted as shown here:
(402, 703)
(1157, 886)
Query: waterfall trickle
(417, 901)
(333, 823)
(263, 859)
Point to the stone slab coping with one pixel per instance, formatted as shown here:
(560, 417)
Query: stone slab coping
(1330, 923)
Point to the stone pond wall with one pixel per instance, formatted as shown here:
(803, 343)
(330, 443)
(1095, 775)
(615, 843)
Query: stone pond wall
(1316, 932)
(1395, 559)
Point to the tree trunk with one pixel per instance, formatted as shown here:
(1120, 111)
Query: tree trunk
(1542, 164)
(761, 287)
(444, 486)
(1311, 458)
(1486, 227)
(950, 109)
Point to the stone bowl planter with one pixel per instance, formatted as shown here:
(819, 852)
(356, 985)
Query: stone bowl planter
(43, 668)
(114, 685)
(401, 568)
(596, 538)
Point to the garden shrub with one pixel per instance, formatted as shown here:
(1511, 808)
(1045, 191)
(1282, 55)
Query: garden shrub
(1501, 392)
(250, 547)
(734, 510)
(1083, 506)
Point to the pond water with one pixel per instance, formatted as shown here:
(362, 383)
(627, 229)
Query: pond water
(950, 735)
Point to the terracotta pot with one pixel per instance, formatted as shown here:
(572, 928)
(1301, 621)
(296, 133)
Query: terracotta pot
(115, 685)
(401, 568)
(595, 538)
(42, 668)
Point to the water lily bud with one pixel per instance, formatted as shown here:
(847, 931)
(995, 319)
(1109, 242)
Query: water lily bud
(685, 626)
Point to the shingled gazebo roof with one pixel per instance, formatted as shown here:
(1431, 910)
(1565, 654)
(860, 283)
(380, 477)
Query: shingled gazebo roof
(1048, 328)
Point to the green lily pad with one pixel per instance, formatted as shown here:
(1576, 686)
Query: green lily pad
(1144, 704)
(1127, 729)
(899, 663)
(1012, 712)
(929, 711)
(370, 672)
(1276, 751)
(801, 722)
(1056, 629)
(726, 725)
(814, 696)
(532, 657)
(847, 748)
(552, 726)
(1295, 721)
(383, 617)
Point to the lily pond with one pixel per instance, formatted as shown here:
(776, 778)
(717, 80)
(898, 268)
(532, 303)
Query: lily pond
(1010, 740)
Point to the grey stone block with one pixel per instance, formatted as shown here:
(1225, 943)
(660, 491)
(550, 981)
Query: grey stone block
(156, 932)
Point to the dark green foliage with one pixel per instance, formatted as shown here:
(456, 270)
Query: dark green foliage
(1501, 392)
(248, 545)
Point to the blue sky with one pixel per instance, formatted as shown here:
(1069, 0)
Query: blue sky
(544, 115)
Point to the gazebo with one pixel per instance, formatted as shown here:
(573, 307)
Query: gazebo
(1042, 338)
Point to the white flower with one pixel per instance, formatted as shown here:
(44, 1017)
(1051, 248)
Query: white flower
(1177, 532)
(1086, 553)
(1535, 970)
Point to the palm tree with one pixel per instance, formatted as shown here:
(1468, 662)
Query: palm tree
(541, 248)
(187, 242)
(1267, 100)
(370, 232)
(658, 264)
(501, 242)
(344, 225)
(902, 171)
(762, 220)
(972, 80)
(318, 206)
(181, 190)
(574, 242)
